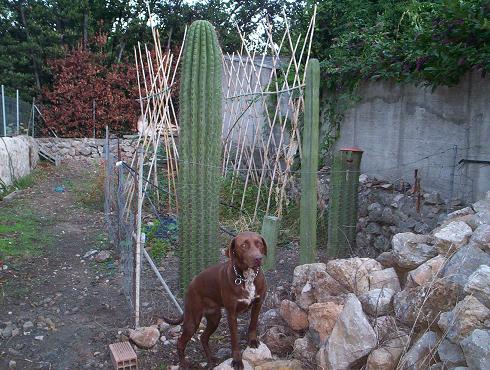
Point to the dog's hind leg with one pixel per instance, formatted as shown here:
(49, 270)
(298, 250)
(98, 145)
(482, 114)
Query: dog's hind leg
(212, 321)
(190, 325)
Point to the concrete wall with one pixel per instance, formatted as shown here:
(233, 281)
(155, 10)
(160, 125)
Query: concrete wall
(403, 128)
(18, 156)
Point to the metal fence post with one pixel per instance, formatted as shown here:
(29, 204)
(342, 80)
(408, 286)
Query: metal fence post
(4, 113)
(138, 240)
(17, 111)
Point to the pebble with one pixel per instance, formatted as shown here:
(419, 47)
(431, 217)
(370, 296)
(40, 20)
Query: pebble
(28, 325)
(12, 364)
(39, 337)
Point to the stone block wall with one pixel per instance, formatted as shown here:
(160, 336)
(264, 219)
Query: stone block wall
(85, 148)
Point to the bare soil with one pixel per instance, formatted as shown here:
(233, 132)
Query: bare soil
(84, 299)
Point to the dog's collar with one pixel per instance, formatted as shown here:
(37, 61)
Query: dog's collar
(239, 279)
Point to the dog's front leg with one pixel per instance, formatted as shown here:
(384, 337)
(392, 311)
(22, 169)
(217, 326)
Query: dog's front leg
(253, 342)
(237, 362)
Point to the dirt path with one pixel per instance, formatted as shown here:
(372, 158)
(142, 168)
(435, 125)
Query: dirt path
(74, 304)
(65, 309)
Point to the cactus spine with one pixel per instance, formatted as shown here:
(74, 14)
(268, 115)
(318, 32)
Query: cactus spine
(199, 150)
(309, 164)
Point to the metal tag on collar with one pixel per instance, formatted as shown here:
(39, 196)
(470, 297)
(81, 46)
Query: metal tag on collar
(238, 281)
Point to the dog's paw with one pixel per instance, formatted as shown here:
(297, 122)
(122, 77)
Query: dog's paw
(254, 343)
(237, 365)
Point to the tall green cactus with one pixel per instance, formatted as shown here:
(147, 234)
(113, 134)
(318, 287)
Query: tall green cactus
(343, 204)
(309, 164)
(199, 150)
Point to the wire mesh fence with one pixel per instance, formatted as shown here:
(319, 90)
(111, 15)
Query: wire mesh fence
(15, 115)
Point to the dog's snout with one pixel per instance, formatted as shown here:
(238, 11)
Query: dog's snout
(258, 260)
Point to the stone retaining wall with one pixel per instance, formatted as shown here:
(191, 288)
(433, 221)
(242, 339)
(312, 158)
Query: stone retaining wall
(84, 148)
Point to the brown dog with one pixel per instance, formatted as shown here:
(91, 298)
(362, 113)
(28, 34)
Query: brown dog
(236, 285)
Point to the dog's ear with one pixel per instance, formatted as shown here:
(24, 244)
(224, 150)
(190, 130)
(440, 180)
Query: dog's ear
(265, 245)
(231, 248)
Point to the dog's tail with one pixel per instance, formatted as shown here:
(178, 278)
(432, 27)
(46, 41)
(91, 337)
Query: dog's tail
(178, 321)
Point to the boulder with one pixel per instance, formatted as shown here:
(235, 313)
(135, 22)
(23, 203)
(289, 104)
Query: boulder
(145, 337)
(461, 212)
(481, 237)
(421, 355)
(426, 272)
(476, 349)
(478, 285)
(481, 206)
(480, 218)
(226, 365)
(270, 318)
(452, 236)
(387, 355)
(411, 250)
(463, 263)
(377, 302)
(322, 318)
(387, 278)
(303, 276)
(351, 339)
(353, 273)
(280, 365)
(325, 287)
(424, 304)
(466, 316)
(387, 259)
(304, 349)
(295, 317)
(256, 355)
(451, 354)
(280, 339)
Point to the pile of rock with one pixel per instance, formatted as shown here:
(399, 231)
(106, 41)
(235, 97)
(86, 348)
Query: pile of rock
(424, 304)
(68, 149)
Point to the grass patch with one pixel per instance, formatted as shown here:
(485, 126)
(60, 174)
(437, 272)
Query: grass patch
(20, 183)
(21, 233)
(89, 191)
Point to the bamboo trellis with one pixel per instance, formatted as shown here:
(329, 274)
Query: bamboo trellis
(251, 79)
(156, 74)
(263, 98)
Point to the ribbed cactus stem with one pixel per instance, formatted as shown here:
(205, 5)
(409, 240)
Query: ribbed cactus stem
(309, 164)
(199, 150)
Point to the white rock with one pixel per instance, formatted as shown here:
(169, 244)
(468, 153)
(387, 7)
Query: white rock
(411, 250)
(377, 302)
(386, 278)
(352, 337)
(145, 337)
(353, 273)
(476, 349)
(479, 285)
(452, 236)
(226, 365)
(256, 355)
